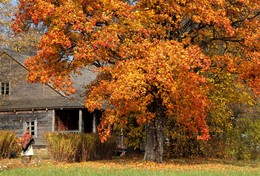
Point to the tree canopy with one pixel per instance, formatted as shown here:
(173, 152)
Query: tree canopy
(157, 60)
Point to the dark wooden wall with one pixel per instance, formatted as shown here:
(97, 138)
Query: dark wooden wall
(15, 121)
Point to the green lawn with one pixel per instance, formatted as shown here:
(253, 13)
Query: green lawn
(79, 171)
(131, 167)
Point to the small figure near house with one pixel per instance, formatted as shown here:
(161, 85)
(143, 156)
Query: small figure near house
(27, 149)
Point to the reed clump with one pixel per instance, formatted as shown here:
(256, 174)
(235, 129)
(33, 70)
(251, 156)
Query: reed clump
(9, 145)
(70, 147)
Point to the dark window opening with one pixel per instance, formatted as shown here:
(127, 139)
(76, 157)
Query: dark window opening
(91, 121)
(87, 122)
(5, 88)
(66, 120)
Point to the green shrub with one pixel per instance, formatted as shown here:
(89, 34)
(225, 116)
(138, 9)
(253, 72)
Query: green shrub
(8, 144)
(244, 139)
(70, 147)
(241, 142)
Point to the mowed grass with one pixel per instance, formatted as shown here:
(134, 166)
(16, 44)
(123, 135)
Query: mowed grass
(132, 166)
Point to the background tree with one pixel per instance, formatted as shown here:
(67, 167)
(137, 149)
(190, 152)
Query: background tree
(4, 20)
(158, 60)
(24, 42)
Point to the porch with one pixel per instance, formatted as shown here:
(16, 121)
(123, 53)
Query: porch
(75, 121)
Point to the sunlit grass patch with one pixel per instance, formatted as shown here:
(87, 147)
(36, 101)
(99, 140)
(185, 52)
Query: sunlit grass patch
(122, 166)
(58, 171)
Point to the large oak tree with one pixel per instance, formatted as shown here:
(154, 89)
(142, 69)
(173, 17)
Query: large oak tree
(157, 59)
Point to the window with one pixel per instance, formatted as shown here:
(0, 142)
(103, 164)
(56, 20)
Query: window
(32, 125)
(5, 88)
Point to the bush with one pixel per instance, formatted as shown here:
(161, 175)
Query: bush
(70, 147)
(241, 142)
(244, 139)
(9, 145)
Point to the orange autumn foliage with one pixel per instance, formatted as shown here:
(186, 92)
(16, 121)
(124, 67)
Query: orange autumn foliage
(152, 51)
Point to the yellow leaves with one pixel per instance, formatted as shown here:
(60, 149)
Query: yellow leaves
(3, 1)
(144, 117)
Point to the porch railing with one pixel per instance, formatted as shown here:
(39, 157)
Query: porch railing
(69, 131)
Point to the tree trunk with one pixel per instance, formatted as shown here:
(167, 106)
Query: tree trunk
(154, 140)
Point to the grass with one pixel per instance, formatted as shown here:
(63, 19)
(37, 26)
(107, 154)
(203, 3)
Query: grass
(133, 165)
(88, 171)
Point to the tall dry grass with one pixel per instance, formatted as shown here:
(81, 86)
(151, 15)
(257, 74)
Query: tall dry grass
(78, 147)
(8, 144)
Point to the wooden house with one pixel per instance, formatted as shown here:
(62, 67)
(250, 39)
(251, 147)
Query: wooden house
(38, 106)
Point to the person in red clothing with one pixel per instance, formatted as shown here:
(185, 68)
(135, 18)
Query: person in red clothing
(27, 149)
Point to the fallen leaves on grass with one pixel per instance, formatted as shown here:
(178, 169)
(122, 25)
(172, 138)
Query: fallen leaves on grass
(192, 164)
(138, 163)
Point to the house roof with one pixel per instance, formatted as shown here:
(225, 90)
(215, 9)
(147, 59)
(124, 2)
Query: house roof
(30, 104)
(19, 57)
(74, 101)
(81, 81)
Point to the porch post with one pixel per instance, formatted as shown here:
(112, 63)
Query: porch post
(80, 121)
(94, 123)
(53, 121)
